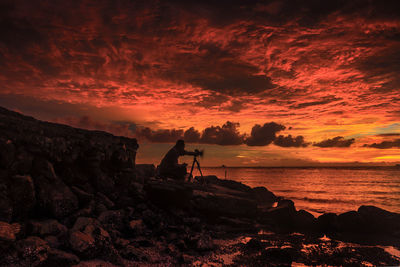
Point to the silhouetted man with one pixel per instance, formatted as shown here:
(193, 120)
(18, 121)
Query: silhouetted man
(169, 166)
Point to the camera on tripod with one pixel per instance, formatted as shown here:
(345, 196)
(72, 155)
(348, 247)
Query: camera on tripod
(196, 162)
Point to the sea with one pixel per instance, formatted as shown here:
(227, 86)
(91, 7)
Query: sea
(327, 189)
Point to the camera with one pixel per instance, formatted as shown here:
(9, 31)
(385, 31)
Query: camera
(198, 152)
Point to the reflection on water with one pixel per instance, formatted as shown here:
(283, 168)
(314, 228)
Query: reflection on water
(324, 189)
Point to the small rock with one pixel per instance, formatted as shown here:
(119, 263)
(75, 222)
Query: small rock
(33, 251)
(58, 257)
(254, 244)
(8, 232)
(82, 243)
(47, 227)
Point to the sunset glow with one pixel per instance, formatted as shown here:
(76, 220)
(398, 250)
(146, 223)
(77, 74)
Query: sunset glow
(326, 74)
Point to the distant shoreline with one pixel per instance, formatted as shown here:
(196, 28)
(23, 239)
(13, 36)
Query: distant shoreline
(304, 167)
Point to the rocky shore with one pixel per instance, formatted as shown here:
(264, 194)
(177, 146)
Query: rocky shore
(75, 197)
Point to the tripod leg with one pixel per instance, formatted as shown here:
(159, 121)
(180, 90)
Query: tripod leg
(201, 173)
(191, 170)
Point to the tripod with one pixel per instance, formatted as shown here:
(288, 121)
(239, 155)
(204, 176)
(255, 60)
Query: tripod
(195, 161)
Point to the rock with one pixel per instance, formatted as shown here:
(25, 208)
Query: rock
(6, 207)
(212, 179)
(377, 220)
(47, 227)
(278, 256)
(23, 163)
(254, 244)
(58, 257)
(102, 182)
(305, 221)
(82, 222)
(83, 197)
(7, 153)
(200, 242)
(327, 223)
(216, 204)
(92, 263)
(23, 195)
(136, 227)
(113, 220)
(83, 244)
(53, 241)
(282, 217)
(204, 243)
(52, 194)
(350, 222)
(8, 232)
(89, 240)
(132, 253)
(103, 199)
(264, 196)
(168, 194)
(144, 171)
(33, 251)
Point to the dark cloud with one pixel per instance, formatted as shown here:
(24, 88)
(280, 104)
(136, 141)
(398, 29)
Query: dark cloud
(337, 141)
(386, 144)
(388, 134)
(217, 69)
(159, 136)
(263, 135)
(191, 135)
(224, 135)
(325, 100)
(289, 141)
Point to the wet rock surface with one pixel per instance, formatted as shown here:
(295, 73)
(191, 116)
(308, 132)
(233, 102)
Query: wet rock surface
(72, 197)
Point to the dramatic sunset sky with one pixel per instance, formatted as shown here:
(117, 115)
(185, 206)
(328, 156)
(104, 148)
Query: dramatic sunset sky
(254, 83)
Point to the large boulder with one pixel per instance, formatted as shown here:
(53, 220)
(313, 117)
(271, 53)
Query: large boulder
(305, 221)
(54, 197)
(238, 186)
(327, 223)
(168, 194)
(281, 217)
(264, 196)
(377, 220)
(223, 204)
(351, 222)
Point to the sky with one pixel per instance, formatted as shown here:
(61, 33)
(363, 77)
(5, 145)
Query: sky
(253, 83)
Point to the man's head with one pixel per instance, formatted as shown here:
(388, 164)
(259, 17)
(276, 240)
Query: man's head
(180, 144)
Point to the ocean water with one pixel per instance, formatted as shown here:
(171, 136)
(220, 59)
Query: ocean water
(320, 190)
